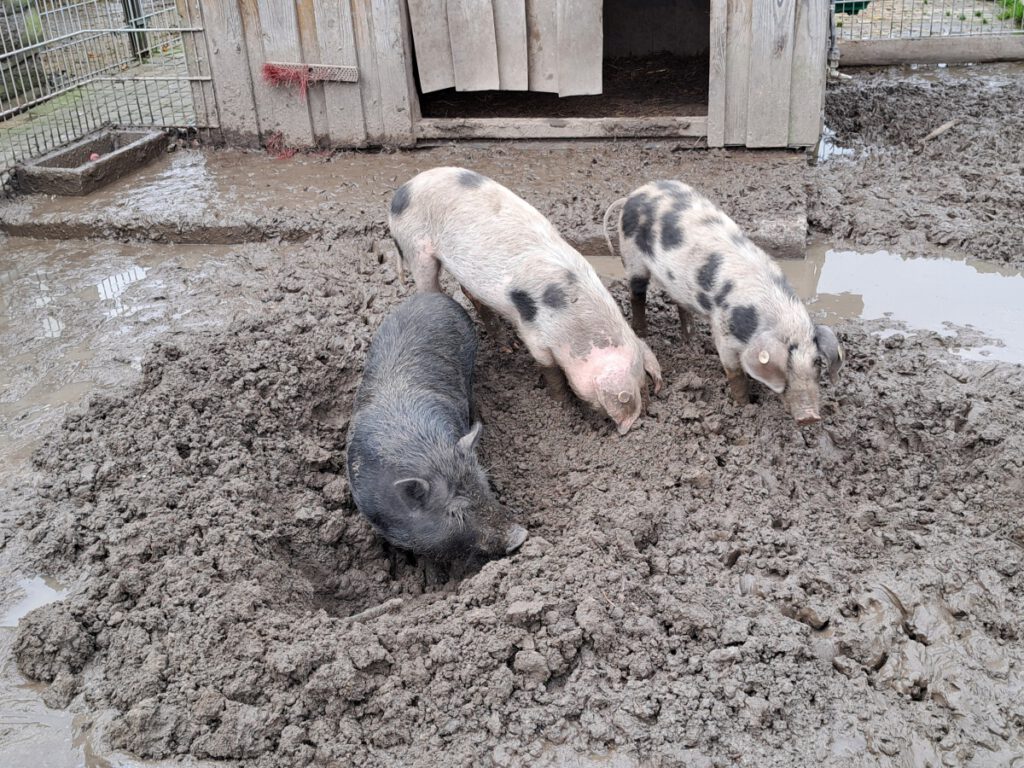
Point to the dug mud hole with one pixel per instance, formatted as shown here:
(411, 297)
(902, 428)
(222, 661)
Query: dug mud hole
(716, 588)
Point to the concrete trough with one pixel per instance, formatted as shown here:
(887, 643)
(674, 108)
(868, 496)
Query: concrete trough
(69, 171)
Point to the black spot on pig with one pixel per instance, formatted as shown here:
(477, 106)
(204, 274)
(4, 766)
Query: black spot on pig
(743, 323)
(400, 200)
(570, 277)
(638, 285)
(524, 304)
(554, 296)
(723, 292)
(707, 274)
(677, 193)
(784, 285)
(471, 179)
(704, 301)
(670, 274)
(671, 234)
(637, 221)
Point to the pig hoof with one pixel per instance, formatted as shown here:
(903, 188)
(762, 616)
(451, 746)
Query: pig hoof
(516, 537)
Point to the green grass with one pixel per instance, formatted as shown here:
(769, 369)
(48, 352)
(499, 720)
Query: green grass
(1012, 9)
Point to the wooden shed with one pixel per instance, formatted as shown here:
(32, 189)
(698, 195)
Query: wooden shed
(734, 72)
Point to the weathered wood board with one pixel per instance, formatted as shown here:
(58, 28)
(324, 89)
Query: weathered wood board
(510, 34)
(542, 44)
(474, 47)
(580, 47)
(272, 34)
(309, 40)
(807, 85)
(770, 73)
(716, 74)
(429, 21)
(737, 70)
(198, 64)
(337, 46)
(562, 128)
(393, 72)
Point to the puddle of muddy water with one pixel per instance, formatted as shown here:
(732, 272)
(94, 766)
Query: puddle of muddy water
(39, 591)
(933, 294)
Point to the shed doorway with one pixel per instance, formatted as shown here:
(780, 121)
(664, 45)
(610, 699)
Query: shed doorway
(562, 68)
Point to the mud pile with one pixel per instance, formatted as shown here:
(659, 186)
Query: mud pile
(716, 588)
(961, 190)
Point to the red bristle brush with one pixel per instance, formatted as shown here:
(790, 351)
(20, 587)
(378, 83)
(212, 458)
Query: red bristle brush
(302, 75)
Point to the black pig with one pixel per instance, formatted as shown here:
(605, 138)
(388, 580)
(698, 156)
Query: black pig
(412, 463)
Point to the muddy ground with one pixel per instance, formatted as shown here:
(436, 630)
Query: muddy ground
(716, 588)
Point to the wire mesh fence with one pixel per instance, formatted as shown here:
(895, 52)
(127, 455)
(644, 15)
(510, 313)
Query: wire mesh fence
(908, 19)
(69, 67)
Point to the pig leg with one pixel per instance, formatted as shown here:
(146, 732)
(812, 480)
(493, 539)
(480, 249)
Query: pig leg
(685, 322)
(554, 377)
(489, 319)
(554, 380)
(739, 385)
(426, 269)
(639, 277)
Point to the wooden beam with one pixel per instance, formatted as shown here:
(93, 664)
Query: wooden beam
(810, 68)
(770, 72)
(562, 128)
(932, 50)
(717, 74)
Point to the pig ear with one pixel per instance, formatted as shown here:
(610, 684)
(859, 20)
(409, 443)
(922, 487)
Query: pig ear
(415, 489)
(766, 360)
(467, 443)
(830, 349)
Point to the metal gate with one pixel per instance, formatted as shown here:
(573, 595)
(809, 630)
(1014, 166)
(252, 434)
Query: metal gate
(863, 20)
(69, 67)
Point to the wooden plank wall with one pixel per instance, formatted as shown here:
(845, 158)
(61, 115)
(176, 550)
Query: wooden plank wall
(767, 60)
(775, 68)
(372, 35)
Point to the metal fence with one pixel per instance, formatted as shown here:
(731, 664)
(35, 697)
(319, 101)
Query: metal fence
(69, 67)
(908, 19)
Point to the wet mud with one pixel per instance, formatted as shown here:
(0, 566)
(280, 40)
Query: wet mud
(718, 587)
(886, 187)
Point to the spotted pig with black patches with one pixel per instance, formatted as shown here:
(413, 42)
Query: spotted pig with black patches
(510, 261)
(671, 234)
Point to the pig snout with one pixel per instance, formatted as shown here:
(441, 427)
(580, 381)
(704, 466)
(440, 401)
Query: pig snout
(803, 405)
(806, 418)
